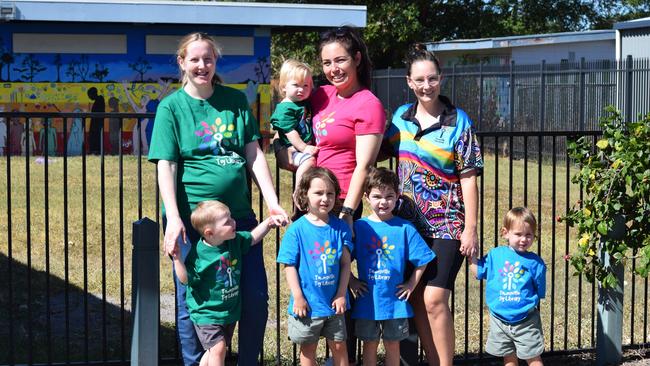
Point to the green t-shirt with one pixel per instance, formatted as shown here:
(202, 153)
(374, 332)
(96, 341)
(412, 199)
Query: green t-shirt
(213, 274)
(290, 116)
(206, 139)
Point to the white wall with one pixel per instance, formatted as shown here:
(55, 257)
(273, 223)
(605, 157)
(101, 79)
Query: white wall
(555, 53)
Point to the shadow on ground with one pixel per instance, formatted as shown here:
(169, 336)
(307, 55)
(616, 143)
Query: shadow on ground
(45, 320)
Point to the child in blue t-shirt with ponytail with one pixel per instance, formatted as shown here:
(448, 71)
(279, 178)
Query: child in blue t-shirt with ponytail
(316, 253)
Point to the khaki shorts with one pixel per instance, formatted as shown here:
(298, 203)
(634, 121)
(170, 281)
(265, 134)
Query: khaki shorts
(309, 330)
(525, 339)
(388, 330)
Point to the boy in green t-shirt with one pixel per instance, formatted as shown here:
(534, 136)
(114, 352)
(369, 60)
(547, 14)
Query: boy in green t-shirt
(292, 119)
(211, 269)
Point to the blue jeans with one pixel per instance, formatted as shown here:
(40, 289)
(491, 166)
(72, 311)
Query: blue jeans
(255, 297)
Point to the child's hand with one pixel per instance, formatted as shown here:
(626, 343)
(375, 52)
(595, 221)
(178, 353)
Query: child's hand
(357, 287)
(300, 306)
(276, 221)
(278, 215)
(311, 149)
(405, 291)
(339, 304)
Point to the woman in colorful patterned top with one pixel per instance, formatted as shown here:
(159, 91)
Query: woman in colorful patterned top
(438, 162)
(348, 119)
(204, 140)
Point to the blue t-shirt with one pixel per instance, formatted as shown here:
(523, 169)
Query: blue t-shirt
(316, 252)
(381, 251)
(515, 282)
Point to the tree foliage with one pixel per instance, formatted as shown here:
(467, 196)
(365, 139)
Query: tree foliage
(614, 217)
(394, 25)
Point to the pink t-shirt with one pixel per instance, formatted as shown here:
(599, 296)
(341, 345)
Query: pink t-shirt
(337, 121)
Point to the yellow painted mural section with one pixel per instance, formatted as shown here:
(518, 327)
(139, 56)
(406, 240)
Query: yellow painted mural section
(118, 97)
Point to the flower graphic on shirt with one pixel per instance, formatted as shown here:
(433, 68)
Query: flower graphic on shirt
(424, 185)
(512, 274)
(215, 136)
(380, 250)
(227, 271)
(323, 255)
(320, 127)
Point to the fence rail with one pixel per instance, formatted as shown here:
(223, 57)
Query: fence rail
(68, 270)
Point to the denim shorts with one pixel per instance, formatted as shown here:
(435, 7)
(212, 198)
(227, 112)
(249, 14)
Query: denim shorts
(525, 339)
(309, 330)
(388, 330)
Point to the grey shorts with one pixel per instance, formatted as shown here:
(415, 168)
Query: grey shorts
(525, 339)
(309, 330)
(388, 330)
(211, 334)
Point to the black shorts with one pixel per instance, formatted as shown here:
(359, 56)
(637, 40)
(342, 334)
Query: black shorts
(442, 271)
(211, 334)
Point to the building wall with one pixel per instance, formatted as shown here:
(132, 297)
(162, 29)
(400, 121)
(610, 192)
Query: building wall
(635, 42)
(571, 52)
(51, 67)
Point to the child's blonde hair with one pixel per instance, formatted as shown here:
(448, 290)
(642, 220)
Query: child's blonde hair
(206, 213)
(293, 70)
(518, 215)
(305, 182)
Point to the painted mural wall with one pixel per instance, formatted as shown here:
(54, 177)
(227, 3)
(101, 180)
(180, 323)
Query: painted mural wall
(133, 81)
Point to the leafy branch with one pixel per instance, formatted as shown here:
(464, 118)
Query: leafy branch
(614, 217)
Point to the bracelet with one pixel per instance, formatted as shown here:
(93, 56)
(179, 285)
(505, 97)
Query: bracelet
(347, 211)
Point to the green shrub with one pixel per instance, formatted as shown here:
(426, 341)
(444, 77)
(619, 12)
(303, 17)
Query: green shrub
(615, 215)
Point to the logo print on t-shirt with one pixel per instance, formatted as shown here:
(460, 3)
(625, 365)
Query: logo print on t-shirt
(511, 274)
(323, 256)
(215, 136)
(227, 271)
(320, 128)
(380, 250)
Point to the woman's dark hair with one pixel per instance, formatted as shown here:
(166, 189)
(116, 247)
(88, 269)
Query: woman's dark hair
(350, 39)
(419, 52)
(305, 182)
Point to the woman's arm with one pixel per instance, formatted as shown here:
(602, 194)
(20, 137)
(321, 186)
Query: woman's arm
(259, 169)
(167, 185)
(367, 147)
(469, 237)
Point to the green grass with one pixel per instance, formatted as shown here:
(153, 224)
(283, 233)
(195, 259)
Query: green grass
(554, 200)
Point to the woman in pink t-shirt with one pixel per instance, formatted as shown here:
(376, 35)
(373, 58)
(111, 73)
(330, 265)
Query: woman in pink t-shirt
(348, 120)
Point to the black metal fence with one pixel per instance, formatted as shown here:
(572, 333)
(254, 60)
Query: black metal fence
(67, 269)
(568, 96)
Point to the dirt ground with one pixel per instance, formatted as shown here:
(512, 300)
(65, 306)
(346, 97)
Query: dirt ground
(631, 357)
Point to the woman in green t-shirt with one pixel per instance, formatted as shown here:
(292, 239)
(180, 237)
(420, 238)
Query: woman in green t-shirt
(204, 140)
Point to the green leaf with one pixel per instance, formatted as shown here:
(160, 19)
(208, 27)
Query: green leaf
(602, 228)
(602, 144)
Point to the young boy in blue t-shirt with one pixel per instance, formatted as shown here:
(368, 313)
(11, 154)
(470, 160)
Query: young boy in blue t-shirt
(516, 281)
(384, 245)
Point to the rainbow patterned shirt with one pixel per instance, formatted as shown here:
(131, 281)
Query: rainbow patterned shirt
(430, 162)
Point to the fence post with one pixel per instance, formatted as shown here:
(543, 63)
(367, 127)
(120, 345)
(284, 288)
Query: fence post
(582, 92)
(628, 89)
(146, 293)
(609, 333)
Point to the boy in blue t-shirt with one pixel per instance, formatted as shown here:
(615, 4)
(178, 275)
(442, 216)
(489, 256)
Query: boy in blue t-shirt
(516, 281)
(384, 245)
